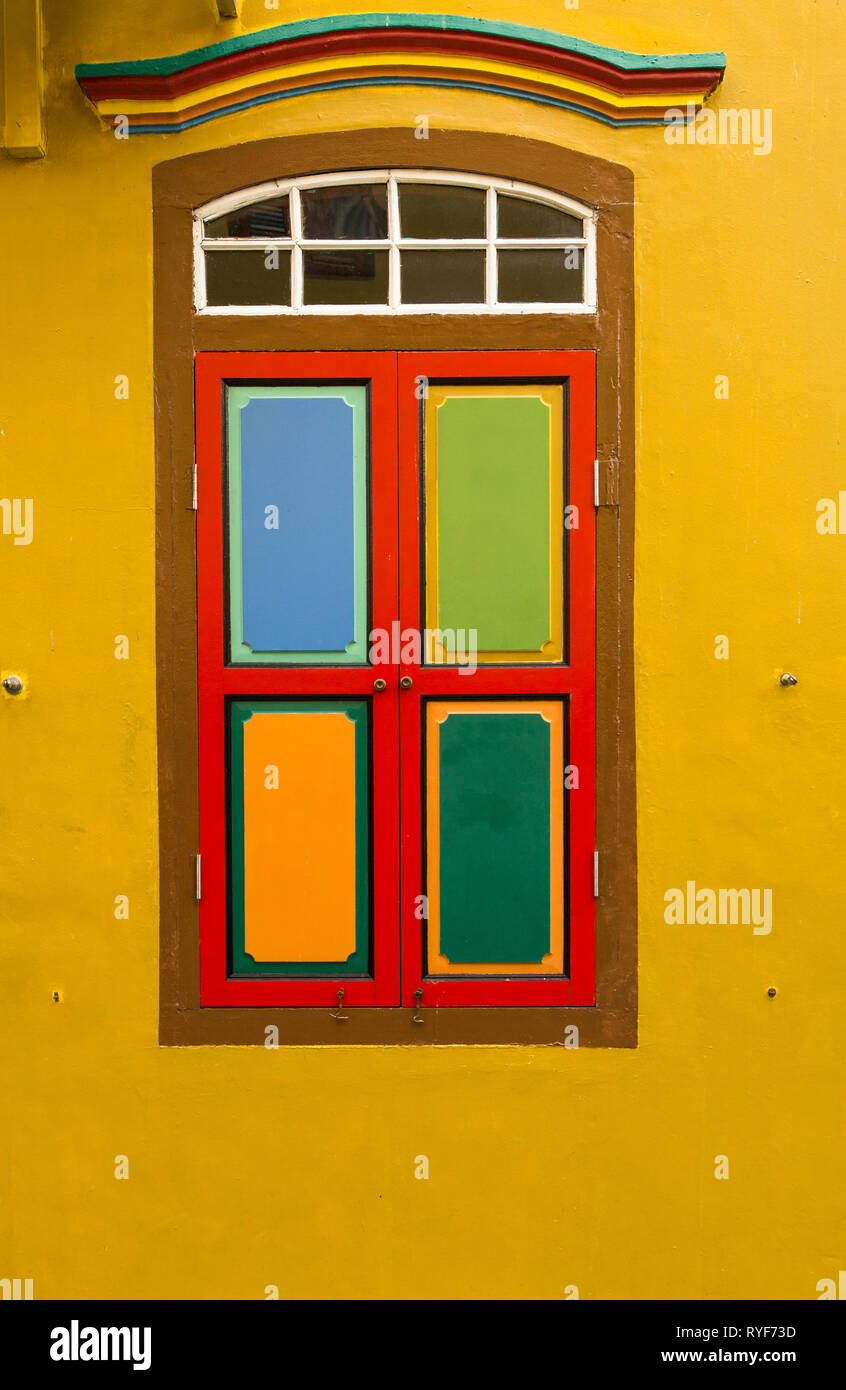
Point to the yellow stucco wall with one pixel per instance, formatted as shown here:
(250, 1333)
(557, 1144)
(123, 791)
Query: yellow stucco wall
(548, 1167)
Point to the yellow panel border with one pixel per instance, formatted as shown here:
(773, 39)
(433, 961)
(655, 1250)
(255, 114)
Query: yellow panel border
(552, 651)
(437, 713)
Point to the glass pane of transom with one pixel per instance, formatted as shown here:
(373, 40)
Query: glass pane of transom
(268, 219)
(344, 276)
(535, 275)
(248, 277)
(521, 217)
(357, 213)
(443, 277)
(434, 210)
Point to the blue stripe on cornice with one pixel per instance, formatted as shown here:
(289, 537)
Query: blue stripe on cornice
(393, 82)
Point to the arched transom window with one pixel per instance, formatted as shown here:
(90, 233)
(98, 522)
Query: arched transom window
(390, 241)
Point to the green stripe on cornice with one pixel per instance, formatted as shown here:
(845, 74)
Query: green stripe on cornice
(164, 67)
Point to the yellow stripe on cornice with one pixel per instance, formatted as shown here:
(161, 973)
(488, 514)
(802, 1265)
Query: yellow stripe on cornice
(425, 61)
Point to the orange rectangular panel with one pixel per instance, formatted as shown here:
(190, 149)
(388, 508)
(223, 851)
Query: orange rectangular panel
(300, 861)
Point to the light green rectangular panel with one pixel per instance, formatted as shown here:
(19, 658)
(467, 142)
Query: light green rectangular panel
(494, 518)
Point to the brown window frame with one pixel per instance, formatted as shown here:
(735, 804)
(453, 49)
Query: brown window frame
(179, 186)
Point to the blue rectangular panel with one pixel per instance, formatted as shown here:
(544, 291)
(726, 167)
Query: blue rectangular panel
(297, 523)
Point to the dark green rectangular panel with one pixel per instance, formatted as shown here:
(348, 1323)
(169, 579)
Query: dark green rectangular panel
(494, 837)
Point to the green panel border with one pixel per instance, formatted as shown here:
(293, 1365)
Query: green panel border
(239, 653)
(242, 965)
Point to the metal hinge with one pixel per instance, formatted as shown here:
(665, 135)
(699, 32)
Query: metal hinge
(596, 873)
(198, 876)
(596, 482)
(194, 489)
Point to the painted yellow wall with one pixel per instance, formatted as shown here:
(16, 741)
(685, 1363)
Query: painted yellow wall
(548, 1167)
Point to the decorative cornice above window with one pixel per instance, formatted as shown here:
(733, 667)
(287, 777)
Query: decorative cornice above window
(154, 95)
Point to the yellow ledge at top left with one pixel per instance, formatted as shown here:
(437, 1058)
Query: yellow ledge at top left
(22, 39)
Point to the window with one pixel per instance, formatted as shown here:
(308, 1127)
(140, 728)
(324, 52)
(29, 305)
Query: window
(396, 647)
(405, 505)
(394, 242)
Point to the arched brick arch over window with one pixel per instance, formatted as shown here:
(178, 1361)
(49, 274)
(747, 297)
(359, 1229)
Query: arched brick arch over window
(540, 349)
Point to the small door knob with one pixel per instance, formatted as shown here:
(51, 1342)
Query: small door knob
(13, 685)
(406, 682)
(380, 683)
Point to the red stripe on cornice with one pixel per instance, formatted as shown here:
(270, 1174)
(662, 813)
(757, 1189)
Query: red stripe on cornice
(535, 56)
